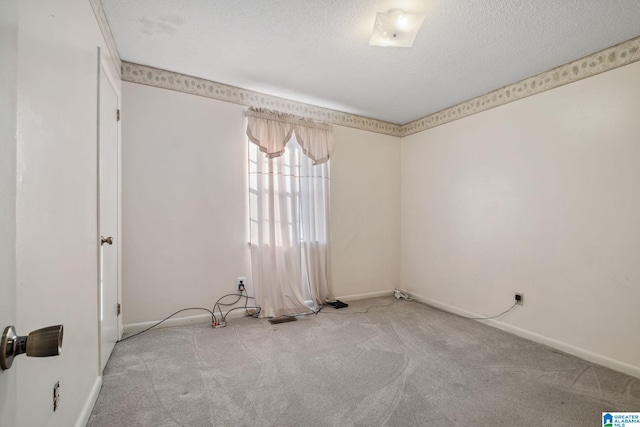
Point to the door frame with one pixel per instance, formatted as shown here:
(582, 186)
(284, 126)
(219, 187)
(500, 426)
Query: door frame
(104, 68)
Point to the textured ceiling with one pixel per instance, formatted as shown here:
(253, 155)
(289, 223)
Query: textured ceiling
(317, 51)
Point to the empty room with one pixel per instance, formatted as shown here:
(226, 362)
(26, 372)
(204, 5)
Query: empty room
(333, 213)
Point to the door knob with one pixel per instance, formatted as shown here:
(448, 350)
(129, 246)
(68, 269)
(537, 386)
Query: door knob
(108, 240)
(44, 342)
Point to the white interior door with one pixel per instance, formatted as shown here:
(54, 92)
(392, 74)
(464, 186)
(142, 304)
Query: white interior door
(7, 272)
(8, 144)
(8, 384)
(108, 217)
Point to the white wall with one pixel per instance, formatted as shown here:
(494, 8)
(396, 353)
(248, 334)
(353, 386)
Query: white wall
(365, 213)
(56, 238)
(184, 204)
(539, 196)
(8, 115)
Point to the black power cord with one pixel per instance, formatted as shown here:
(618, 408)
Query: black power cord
(223, 316)
(164, 320)
(480, 318)
(214, 319)
(352, 312)
(418, 302)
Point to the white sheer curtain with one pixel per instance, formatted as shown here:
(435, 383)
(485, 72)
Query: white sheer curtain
(289, 211)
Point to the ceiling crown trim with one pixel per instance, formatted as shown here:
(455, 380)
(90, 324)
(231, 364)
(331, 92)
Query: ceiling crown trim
(150, 76)
(605, 60)
(105, 29)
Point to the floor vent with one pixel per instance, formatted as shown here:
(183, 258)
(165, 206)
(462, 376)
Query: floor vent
(282, 320)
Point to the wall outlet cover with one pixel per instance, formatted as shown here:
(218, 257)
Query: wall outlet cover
(56, 396)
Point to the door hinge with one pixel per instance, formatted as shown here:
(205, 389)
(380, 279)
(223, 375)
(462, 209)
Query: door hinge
(119, 309)
(118, 114)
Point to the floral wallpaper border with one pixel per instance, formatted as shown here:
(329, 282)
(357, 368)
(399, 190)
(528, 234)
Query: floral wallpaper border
(194, 85)
(101, 17)
(605, 60)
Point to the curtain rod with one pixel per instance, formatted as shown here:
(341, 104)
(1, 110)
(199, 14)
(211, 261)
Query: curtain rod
(281, 117)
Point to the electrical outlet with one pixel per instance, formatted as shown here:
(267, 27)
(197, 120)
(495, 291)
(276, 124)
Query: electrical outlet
(56, 396)
(240, 283)
(520, 299)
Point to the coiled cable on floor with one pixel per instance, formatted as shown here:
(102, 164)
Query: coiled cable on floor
(219, 305)
(214, 319)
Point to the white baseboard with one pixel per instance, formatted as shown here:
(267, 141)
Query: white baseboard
(567, 348)
(89, 403)
(134, 328)
(365, 295)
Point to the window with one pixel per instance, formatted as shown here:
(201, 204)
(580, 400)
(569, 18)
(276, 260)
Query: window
(289, 224)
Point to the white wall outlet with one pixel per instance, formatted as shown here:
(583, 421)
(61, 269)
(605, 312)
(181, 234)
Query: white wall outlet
(241, 282)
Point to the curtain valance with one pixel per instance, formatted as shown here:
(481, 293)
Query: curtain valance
(271, 130)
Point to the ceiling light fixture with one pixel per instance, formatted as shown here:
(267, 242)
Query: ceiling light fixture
(395, 28)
